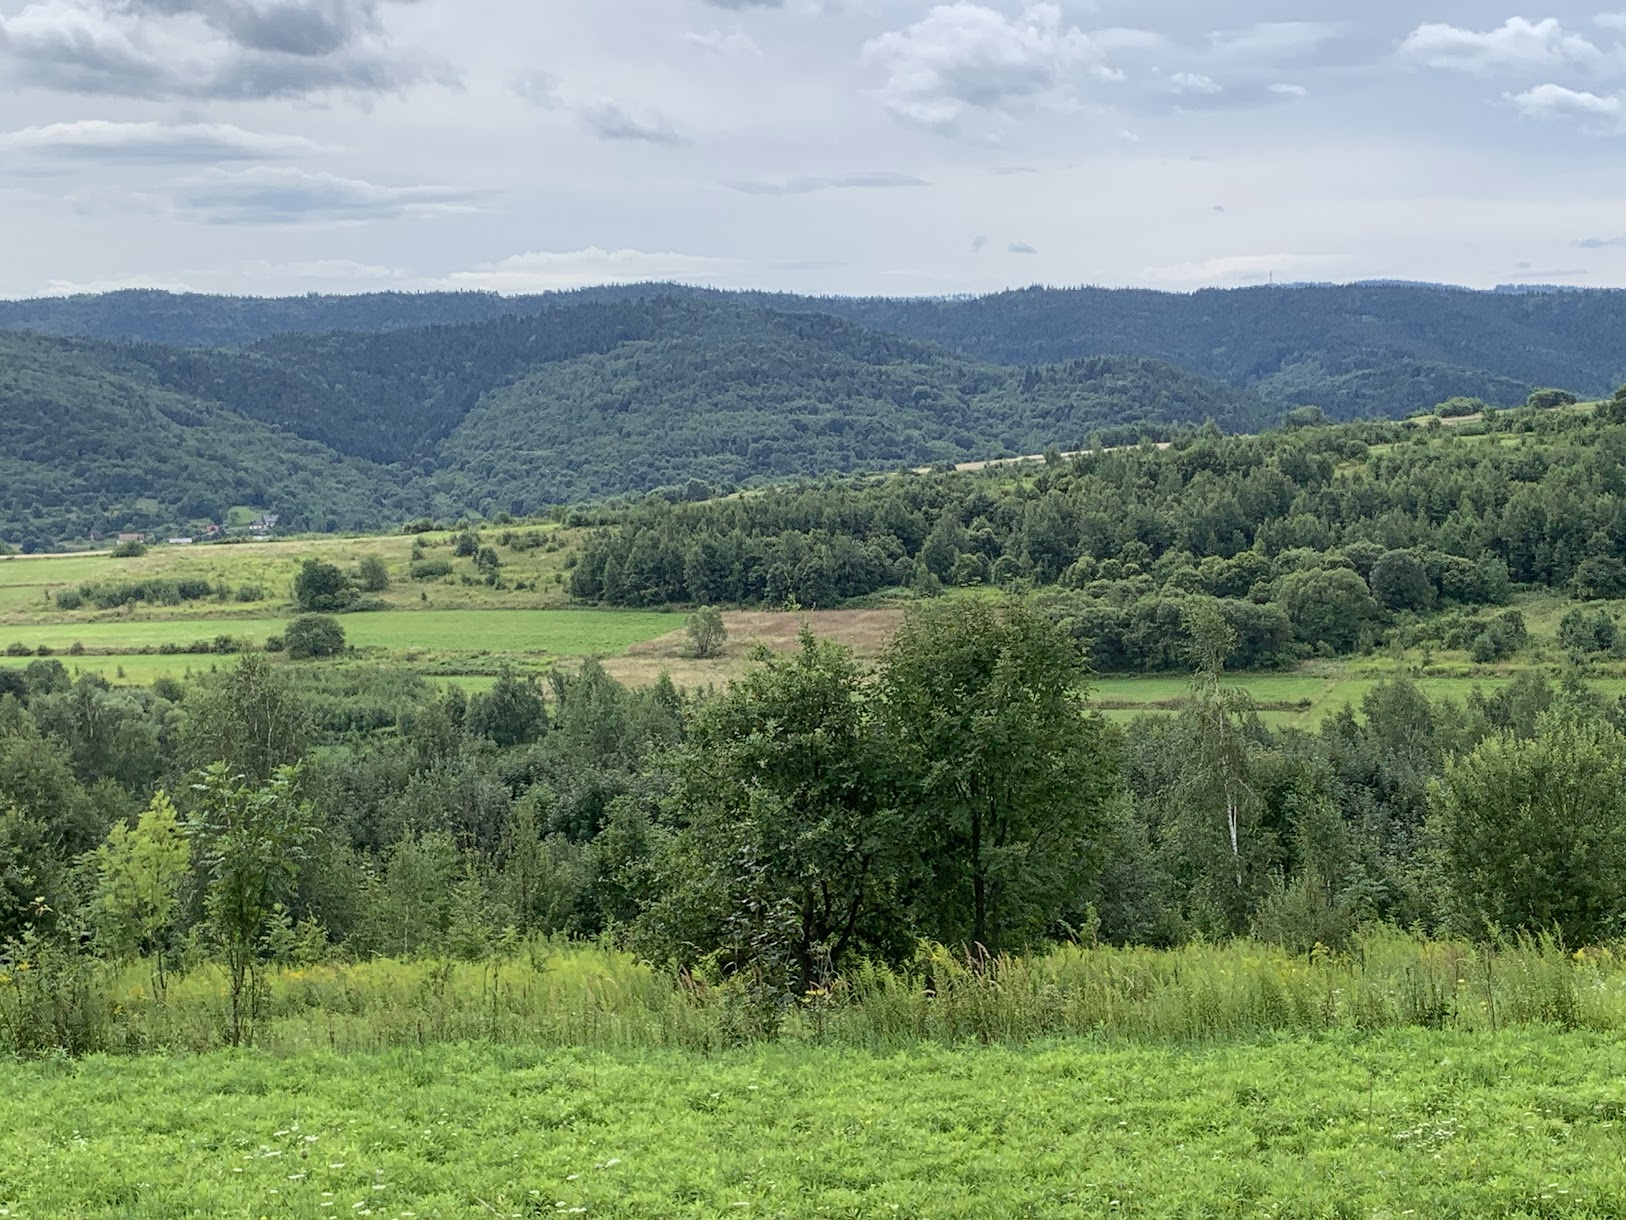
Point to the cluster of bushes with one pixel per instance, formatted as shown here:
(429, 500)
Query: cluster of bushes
(324, 588)
(222, 644)
(155, 590)
(1588, 632)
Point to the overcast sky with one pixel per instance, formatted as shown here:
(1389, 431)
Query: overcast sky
(828, 146)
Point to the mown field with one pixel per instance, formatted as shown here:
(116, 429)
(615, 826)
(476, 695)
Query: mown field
(1524, 1124)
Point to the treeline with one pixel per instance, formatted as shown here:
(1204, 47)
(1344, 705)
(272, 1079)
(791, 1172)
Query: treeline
(779, 834)
(1317, 539)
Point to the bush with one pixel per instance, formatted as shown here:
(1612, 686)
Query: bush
(250, 593)
(707, 632)
(129, 550)
(275, 643)
(373, 575)
(1599, 578)
(1545, 400)
(466, 544)
(314, 635)
(1456, 408)
(69, 599)
(1400, 582)
(1582, 632)
(321, 587)
(15, 649)
(431, 569)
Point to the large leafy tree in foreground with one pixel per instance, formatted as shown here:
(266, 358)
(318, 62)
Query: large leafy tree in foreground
(1003, 773)
(789, 859)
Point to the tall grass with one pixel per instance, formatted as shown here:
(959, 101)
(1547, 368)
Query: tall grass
(562, 994)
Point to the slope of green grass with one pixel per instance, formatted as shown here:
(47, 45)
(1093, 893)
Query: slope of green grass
(551, 632)
(1521, 1124)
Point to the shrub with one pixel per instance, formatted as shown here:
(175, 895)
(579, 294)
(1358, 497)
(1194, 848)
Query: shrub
(69, 599)
(466, 544)
(1545, 400)
(431, 569)
(314, 635)
(373, 575)
(15, 649)
(250, 593)
(706, 632)
(1582, 632)
(322, 588)
(129, 550)
(275, 643)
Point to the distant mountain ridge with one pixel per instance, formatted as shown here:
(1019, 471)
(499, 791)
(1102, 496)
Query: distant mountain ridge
(1368, 340)
(592, 400)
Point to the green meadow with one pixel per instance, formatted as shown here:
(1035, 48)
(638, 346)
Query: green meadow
(1403, 1123)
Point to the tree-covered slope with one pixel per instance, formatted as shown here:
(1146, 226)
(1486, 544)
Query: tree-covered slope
(1351, 349)
(356, 430)
(725, 395)
(392, 396)
(89, 442)
(1254, 336)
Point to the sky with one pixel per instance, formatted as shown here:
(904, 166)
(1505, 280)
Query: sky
(895, 147)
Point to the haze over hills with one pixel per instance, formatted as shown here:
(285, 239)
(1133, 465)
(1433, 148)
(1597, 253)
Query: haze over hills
(340, 430)
(1355, 350)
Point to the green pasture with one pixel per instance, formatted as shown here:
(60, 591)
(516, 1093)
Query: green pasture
(26, 582)
(1519, 1124)
(565, 633)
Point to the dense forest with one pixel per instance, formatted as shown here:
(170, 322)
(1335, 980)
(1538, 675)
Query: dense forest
(1316, 540)
(342, 431)
(1355, 350)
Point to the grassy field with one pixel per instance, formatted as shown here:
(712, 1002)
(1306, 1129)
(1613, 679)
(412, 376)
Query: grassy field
(1526, 1124)
(1404, 1077)
(457, 628)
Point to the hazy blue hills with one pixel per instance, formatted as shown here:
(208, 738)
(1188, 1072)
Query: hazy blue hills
(1356, 350)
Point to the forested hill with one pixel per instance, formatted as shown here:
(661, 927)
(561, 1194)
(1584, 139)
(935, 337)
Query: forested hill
(89, 442)
(1355, 350)
(518, 413)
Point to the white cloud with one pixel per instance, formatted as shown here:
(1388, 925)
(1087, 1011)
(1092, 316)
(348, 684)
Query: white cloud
(964, 58)
(876, 180)
(1601, 243)
(71, 288)
(1273, 41)
(104, 140)
(1020, 247)
(544, 270)
(274, 195)
(1555, 100)
(1194, 82)
(611, 121)
(1611, 21)
(1243, 268)
(234, 49)
(1518, 44)
(735, 45)
(1289, 90)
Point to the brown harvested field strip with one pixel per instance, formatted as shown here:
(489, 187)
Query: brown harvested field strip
(866, 632)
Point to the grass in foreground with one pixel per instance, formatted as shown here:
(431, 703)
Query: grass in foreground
(1527, 1124)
